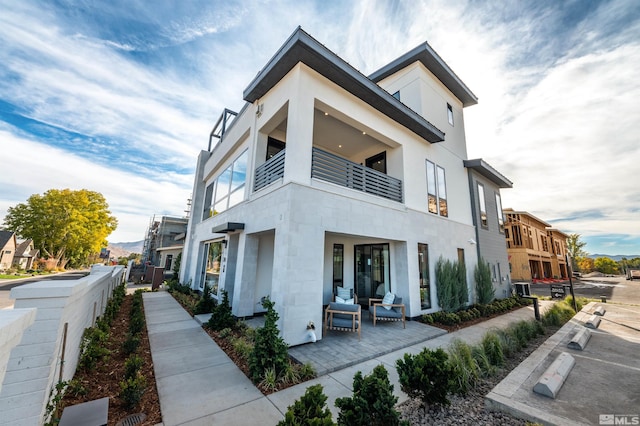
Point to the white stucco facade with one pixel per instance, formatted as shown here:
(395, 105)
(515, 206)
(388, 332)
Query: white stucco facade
(311, 227)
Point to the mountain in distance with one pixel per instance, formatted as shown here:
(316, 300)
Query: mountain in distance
(616, 257)
(125, 249)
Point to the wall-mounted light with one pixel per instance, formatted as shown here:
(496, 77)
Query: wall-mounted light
(224, 243)
(471, 241)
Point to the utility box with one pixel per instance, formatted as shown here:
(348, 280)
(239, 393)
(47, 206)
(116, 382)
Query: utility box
(523, 289)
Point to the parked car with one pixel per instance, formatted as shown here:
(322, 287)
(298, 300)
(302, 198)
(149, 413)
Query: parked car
(633, 274)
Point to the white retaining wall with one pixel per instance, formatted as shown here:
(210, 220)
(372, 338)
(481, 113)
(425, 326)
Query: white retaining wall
(34, 366)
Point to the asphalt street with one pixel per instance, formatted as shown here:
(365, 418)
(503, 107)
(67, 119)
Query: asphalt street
(7, 285)
(615, 289)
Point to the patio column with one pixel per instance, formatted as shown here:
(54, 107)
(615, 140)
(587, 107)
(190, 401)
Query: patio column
(246, 267)
(297, 163)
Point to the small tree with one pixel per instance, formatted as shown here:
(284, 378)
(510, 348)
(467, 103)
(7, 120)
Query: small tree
(310, 410)
(461, 284)
(426, 375)
(221, 316)
(270, 350)
(445, 285)
(484, 288)
(372, 403)
(206, 303)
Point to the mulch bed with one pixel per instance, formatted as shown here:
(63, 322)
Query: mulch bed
(104, 381)
(456, 327)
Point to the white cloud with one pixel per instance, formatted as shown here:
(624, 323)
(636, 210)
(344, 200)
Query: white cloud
(30, 168)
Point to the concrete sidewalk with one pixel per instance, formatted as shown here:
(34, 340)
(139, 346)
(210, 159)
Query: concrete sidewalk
(198, 384)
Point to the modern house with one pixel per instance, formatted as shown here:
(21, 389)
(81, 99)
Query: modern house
(164, 241)
(536, 251)
(485, 183)
(329, 178)
(8, 246)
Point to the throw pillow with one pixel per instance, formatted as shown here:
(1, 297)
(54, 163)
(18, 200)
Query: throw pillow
(388, 300)
(344, 301)
(344, 293)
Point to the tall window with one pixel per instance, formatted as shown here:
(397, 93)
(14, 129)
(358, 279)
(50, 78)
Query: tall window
(450, 114)
(431, 188)
(229, 187)
(436, 190)
(167, 262)
(442, 193)
(423, 267)
(500, 213)
(338, 266)
(483, 206)
(208, 196)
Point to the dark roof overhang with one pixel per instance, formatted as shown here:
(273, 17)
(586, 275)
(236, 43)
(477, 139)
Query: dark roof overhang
(228, 227)
(301, 47)
(485, 169)
(434, 63)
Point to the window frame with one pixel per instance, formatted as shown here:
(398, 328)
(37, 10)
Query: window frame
(220, 199)
(424, 283)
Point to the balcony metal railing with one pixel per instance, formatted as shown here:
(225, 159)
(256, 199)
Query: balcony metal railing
(270, 171)
(331, 168)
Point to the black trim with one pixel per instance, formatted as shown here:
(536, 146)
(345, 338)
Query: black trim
(228, 227)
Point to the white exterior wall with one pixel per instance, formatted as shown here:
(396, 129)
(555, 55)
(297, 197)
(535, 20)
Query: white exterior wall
(34, 366)
(305, 216)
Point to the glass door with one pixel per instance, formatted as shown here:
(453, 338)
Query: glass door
(372, 271)
(211, 266)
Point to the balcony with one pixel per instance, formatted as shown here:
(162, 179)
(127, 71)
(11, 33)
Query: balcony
(332, 168)
(270, 171)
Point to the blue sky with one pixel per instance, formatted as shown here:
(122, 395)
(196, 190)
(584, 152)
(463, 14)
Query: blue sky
(119, 97)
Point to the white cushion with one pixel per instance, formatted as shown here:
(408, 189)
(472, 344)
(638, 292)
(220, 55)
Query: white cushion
(388, 300)
(343, 293)
(344, 301)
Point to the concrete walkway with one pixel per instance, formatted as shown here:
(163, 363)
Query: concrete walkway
(199, 385)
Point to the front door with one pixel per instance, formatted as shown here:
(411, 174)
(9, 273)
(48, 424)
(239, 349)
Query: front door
(372, 271)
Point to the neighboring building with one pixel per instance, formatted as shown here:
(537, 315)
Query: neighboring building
(485, 183)
(8, 246)
(25, 254)
(536, 251)
(327, 178)
(164, 241)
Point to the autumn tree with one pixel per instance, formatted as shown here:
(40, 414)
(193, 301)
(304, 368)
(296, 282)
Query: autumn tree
(575, 247)
(606, 265)
(65, 225)
(585, 265)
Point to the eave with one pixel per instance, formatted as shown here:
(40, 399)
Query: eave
(301, 47)
(485, 169)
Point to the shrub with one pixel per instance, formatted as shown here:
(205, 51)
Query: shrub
(465, 369)
(311, 409)
(270, 350)
(132, 389)
(269, 380)
(131, 343)
(427, 319)
(242, 347)
(482, 360)
(372, 403)
(92, 349)
(557, 315)
(508, 342)
(207, 303)
(75, 388)
(426, 375)
(136, 322)
(493, 348)
(221, 317)
(132, 365)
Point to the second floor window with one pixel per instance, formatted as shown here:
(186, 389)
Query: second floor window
(229, 187)
(499, 213)
(436, 190)
(450, 114)
(483, 207)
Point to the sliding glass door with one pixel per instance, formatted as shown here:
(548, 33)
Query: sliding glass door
(211, 266)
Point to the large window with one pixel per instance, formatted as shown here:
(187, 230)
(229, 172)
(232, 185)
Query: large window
(423, 267)
(483, 206)
(229, 188)
(500, 213)
(436, 190)
(377, 162)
